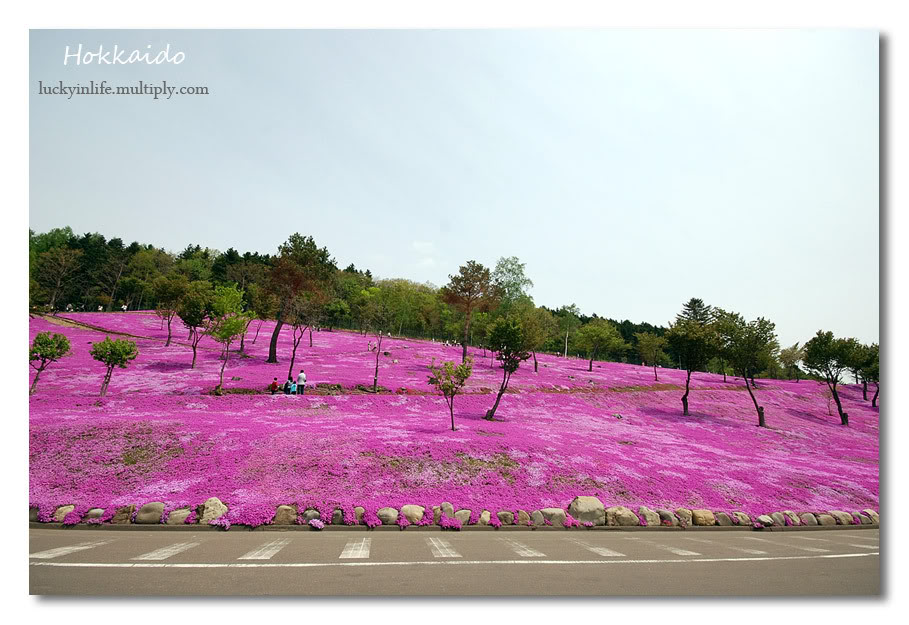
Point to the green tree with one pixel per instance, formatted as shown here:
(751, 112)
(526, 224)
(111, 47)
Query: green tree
(450, 380)
(858, 358)
(697, 311)
(752, 347)
(872, 371)
(600, 336)
(47, 348)
(168, 292)
(828, 357)
(569, 321)
(112, 354)
(227, 320)
(193, 309)
(650, 348)
(695, 344)
(55, 267)
(512, 282)
(725, 325)
(538, 325)
(790, 357)
(506, 339)
(472, 289)
(378, 317)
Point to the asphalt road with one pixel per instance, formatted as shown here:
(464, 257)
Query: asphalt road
(100, 562)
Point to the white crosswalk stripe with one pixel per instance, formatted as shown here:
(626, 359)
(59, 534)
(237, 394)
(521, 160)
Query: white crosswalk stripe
(165, 552)
(753, 552)
(675, 550)
(62, 551)
(441, 548)
(266, 551)
(523, 550)
(863, 546)
(782, 544)
(600, 551)
(356, 549)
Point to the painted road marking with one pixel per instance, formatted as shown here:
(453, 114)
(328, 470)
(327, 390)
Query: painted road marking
(754, 552)
(862, 546)
(165, 552)
(776, 542)
(356, 549)
(441, 548)
(266, 551)
(874, 538)
(62, 551)
(600, 551)
(274, 565)
(523, 550)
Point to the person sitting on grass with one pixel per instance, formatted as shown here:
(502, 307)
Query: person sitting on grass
(273, 387)
(287, 387)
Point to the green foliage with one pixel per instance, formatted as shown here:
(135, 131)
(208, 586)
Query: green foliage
(790, 357)
(827, 357)
(47, 347)
(871, 370)
(694, 342)
(752, 346)
(116, 353)
(511, 281)
(195, 305)
(600, 336)
(651, 349)
(506, 339)
(697, 311)
(450, 379)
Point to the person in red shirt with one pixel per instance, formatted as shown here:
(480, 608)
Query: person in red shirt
(273, 387)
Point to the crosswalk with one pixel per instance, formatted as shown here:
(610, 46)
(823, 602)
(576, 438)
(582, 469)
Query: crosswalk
(496, 548)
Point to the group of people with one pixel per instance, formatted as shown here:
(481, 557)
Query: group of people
(290, 387)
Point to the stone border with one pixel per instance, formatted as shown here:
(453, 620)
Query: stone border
(583, 513)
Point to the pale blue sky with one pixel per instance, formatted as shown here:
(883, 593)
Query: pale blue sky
(630, 170)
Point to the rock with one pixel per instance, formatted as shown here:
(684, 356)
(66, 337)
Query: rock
(536, 517)
(413, 514)
(620, 515)
(123, 515)
(723, 519)
(33, 515)
(463, 516)
(505, 517)
(684, 515)
(825, 519)
(864, 519)
(765, 520)
(667, 518)
(807, 518)
(94, 513)
(523, 517)
(311, 513)
(359, 511)
(285, 515)
(703, 517)
(436, 514)
(842, 518)
(650, 517)
(337, 517)
(387, 515)
(778, 519)
(61, 513)
(556, 516)
(447, 510)
(793, 517)
(587, 509)
(178, 517)
(484, 518)
(743, 518)
(872, 515)
(150, 513)
(212, 509)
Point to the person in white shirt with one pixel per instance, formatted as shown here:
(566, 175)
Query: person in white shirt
(301, 382)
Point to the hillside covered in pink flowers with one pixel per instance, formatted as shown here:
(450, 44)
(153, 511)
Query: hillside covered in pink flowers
(615, 433)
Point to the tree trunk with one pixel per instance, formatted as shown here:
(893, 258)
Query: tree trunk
(760, 410)
(243, 336)
(492, 411)
(375, 378)
(877, 390)
(464, 344)
(534, 361)
(196, 337)
(106, 381)
(655, 378)
(451, 411)
(31, 389)
(864, 390)
(565, 355)
(310, 336)
(685, 396)
(223, 366)
(273, 346)
(257, 332)
(169, 319)
(844, 417)
(293, 354)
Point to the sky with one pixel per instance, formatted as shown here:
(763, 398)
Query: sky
(630, 170)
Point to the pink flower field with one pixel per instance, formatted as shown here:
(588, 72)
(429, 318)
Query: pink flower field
(159, 435)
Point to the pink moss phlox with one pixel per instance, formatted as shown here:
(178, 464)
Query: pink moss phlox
(447, 523)
(494, 521)
(570, 521)
(316, 524)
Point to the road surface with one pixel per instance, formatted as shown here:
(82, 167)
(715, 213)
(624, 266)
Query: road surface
(103, 562)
